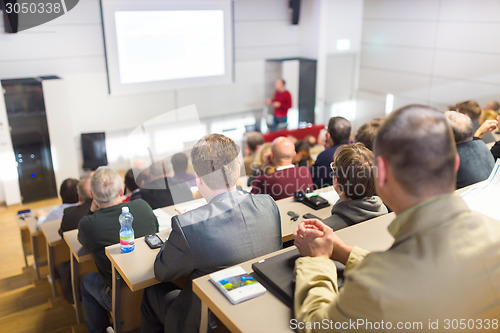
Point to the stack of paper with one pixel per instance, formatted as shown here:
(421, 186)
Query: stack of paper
(483, 197)
(164, 219)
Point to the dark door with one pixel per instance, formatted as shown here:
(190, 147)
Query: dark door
(30, 138)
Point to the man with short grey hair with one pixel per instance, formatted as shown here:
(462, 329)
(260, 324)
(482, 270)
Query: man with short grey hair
(443, 264)
(233, 227)
(476, 161)
(100, 229)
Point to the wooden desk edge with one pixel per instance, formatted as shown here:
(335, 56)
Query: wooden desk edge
(79, 257)
(133, 287)
(83, 258)
(287, 238)
(50, 241)
(214, 308)
(114, 265)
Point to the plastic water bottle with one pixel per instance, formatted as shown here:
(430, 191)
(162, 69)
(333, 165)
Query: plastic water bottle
(126, 231)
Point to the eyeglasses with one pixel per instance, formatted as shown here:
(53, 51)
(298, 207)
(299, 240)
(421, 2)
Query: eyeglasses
(334, 169)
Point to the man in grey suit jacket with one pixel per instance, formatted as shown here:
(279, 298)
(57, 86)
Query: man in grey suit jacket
(233, 227)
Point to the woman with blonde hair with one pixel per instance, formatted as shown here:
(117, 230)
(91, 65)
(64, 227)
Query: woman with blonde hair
(262, 164)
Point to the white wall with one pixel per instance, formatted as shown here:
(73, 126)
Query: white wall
(72, 47)
(64, 155)
(432, 52)
(338, 19)
(9, 185)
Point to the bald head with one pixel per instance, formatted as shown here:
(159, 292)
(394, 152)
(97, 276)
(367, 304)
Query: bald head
(282, 151)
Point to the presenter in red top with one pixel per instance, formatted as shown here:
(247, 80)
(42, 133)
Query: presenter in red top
(281, 102)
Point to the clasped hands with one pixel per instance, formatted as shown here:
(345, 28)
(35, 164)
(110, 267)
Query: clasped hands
(313, 238)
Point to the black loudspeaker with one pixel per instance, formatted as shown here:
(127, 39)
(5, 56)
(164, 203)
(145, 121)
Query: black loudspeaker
(295, 9)
(94, 150)
(10, 20)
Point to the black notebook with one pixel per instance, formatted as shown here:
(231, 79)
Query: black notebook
(276, 273)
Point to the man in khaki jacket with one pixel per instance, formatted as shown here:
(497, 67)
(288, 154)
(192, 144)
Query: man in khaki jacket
(443, 271)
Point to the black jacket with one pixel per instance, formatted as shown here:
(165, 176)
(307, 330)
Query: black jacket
(72, 216)
(163, 192)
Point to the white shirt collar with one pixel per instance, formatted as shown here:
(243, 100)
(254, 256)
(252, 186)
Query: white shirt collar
(284, 167)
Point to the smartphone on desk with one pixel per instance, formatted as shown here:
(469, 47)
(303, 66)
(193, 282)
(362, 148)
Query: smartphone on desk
(22, 214)
(153, 241)
(311, 216)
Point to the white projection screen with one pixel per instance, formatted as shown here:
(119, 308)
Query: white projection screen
(156, 45)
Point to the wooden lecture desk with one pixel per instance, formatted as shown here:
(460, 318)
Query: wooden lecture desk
(289, 204)
(25, 237)
(57, 250)
(136, 269)
(82, 263)
(38, 244)
(267, 313)
(32, 239)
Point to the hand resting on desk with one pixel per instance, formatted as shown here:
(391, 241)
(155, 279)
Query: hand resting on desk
(313, 238)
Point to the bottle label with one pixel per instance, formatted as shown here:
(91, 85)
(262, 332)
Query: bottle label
(127, 240)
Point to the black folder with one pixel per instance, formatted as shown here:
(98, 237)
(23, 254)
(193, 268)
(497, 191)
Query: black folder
(276, 273)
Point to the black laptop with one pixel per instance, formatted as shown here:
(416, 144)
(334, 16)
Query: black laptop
(276, 274)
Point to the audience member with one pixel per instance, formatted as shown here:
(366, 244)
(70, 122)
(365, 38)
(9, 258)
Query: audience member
(180, 166)
(303, 154)
(261, 164)
(473, 111)
(320, 145)
(487, 115)
(69, 196)
(366, 133)
(476, 161)
(440, 245)
(287, 178)
(101, 229)
(495, 150)
(131, 187)
(322, 138)
(292, 139)
(311, 140)
(254, 140)
(72, 215)
(493, 106)
(231, 228)
(339, 131)
(162, 191)
(353, 181)
(70, 219)
(487, 126)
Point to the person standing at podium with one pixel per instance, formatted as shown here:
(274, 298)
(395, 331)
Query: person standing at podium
(281, 102)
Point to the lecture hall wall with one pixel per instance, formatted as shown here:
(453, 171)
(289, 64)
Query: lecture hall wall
(436, 52)
(72, 48)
